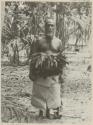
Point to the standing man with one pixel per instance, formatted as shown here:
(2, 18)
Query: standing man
(46, 90)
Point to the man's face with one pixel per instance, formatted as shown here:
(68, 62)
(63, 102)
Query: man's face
(49, 29)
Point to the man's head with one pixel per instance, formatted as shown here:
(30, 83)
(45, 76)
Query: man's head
(49, 27)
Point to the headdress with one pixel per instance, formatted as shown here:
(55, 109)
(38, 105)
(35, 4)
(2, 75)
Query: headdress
(49, 21)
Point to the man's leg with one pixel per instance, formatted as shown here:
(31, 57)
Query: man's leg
(53, 113)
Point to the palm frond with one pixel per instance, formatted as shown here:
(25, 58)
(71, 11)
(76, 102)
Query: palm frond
(15, 110)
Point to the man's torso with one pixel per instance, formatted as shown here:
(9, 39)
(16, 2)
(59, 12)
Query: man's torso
(51, 47)
(44, 45)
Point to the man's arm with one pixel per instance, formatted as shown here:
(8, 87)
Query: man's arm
(60, 49)
(33, 49)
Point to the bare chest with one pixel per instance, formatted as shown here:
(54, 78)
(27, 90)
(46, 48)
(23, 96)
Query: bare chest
(45, 46)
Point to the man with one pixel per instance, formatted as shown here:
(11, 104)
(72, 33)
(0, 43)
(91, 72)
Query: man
(46, 91)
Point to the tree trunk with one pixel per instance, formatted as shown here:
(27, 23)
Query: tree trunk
(13, 53)
(2, 12)
(60, 24)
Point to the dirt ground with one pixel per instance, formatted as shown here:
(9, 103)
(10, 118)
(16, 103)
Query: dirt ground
(76, 89)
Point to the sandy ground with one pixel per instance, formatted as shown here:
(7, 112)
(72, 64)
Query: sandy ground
(76, 94)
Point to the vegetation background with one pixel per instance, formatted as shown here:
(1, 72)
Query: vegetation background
(22, 23)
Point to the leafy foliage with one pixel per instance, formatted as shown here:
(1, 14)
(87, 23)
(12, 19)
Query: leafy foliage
(22, 18)
(26, 19)
(13, 111)
(46, 64)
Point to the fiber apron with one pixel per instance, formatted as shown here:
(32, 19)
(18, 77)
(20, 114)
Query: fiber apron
(46, 93)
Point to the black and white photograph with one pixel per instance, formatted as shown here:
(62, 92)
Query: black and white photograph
(46, 62)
